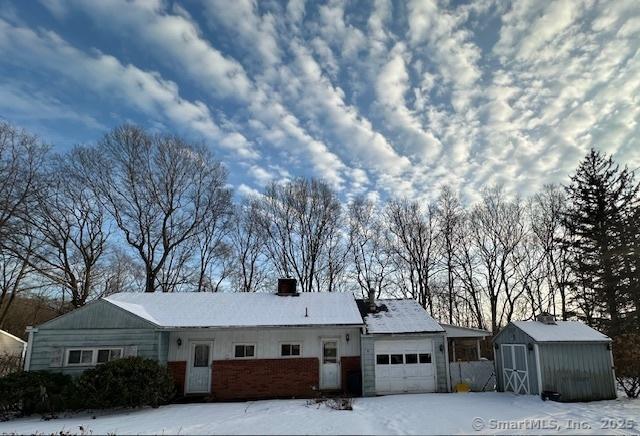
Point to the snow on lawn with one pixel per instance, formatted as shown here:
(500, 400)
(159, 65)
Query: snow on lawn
(399, 414)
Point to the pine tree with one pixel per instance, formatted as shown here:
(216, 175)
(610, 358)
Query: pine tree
(602, 198)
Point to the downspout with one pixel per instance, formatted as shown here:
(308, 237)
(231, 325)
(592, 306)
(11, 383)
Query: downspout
(27, 360)
(536, 349)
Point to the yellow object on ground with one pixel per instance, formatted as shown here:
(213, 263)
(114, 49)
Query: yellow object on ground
(462, 387)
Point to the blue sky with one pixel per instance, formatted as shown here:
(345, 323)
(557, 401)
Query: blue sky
(383, 98)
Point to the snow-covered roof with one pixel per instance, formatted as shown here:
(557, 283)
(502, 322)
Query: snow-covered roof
(456, 331)
(562, 331)
(205, 309)
(400, 316)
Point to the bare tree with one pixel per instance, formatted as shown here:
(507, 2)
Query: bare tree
(299, 219)
(248, 244)
(69, 224)
(21, 157)
(370, 257)
(450, 215)
(213, 250)
(414, 246)
(158, 189)
(547, 211)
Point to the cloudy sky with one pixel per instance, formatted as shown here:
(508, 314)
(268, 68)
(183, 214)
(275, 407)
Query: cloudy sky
(376, 97)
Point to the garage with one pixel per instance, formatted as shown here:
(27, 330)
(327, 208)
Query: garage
(404, 349)
(404, 366)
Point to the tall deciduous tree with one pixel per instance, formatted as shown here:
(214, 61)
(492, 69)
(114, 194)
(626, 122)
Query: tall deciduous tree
(159, 190)
(300, 219)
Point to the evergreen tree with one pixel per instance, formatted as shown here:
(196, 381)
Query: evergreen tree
(602, 198)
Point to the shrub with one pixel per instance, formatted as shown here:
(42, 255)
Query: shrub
(128, 382)
(35, 392)
(10, 363)
(626, 357)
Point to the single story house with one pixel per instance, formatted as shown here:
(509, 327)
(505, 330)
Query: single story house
(11, 345)
(403, 348)
(547, 356)
(223, 345)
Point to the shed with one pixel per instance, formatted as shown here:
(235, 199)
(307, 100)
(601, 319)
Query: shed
(403, 349)
(565, 357)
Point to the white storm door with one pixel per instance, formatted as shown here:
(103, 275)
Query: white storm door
(329, 365)
(199, 371)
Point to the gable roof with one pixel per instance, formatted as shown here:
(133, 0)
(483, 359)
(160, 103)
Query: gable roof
(399, 316)
(205, 309)
(562, 331)
(11, 337)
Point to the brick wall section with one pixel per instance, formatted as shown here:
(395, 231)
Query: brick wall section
(348, 364)
(178, 371)
(265, 378)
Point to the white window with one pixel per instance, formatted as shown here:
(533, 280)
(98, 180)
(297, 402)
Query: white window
(244, 351)
(288, 350)
(91, 356)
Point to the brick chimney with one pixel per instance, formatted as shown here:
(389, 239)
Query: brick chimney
(287, 287)
(546, 318)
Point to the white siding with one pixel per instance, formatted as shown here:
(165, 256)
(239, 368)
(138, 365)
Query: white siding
(267, 341)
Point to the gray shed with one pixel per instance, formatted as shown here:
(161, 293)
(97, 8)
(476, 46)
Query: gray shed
(565, 357)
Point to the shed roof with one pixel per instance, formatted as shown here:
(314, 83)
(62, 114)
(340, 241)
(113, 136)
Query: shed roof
(456, 331)
(10, 336)
(204, 309)
(562, 331)
(400, 316)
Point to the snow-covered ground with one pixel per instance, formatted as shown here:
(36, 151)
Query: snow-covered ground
(399, 414)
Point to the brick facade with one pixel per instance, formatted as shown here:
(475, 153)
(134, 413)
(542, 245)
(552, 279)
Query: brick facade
(347, 365)
(265, 378)
(178, 371)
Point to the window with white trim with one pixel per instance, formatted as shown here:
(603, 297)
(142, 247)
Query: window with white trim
(288, 350)
(91, 356)
(244, 351)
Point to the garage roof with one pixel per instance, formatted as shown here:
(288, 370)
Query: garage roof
(400, 316)
(205, 309)
(562, 331)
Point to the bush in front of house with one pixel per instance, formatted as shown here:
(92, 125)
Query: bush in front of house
(24, 393)
(626, 359)
(127, 382)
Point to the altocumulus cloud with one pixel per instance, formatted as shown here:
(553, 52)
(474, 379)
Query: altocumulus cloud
(379, 98)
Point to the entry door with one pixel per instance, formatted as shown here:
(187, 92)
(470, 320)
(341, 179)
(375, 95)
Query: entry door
(515, 368)
(199, 374)
(329, 367)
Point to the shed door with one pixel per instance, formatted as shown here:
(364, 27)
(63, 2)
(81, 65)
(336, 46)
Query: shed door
(515, 371)
(405, 366)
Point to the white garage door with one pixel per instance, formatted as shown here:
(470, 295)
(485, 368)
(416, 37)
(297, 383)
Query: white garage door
(405, 366)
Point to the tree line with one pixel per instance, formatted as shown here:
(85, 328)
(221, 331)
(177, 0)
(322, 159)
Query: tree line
(154, 212)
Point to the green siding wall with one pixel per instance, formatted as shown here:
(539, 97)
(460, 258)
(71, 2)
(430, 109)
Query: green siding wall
(97, 315)
(367, 359)
(49, 343)
(580, 372)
